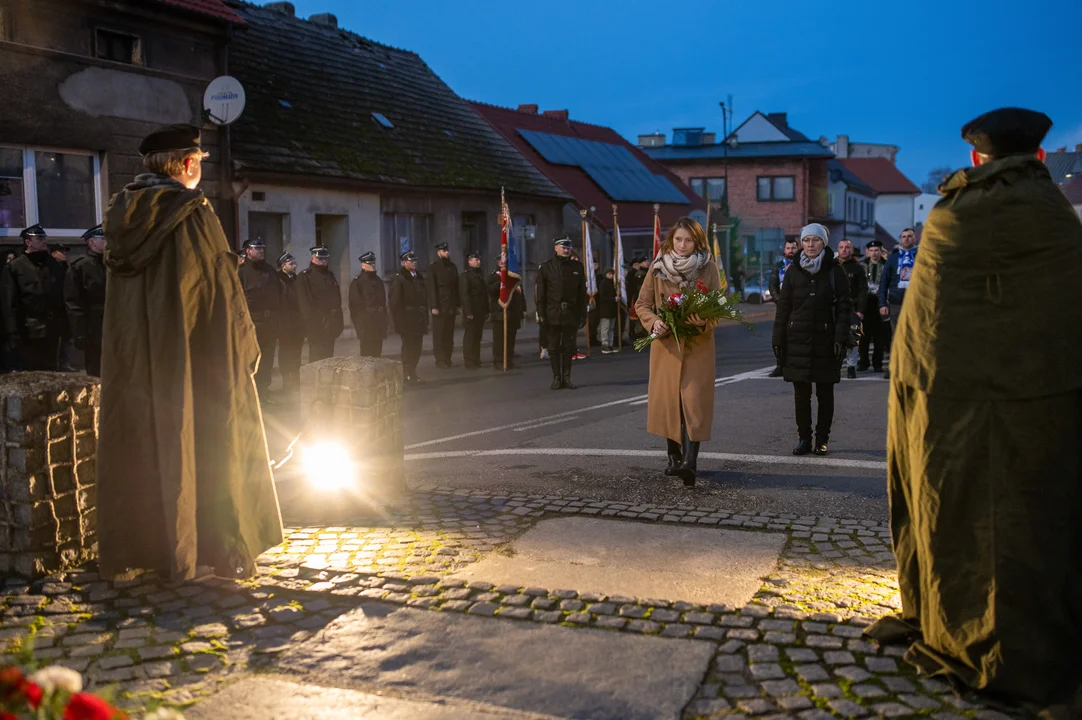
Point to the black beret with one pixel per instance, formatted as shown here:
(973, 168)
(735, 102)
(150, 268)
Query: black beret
(441, 246)
(33, 231)
(407, 256)
(286, 257)
(369, 258)
(170, 137)
(873, 244)
(256, 244)
(1007, 131)
(320, 252)
(94, 232)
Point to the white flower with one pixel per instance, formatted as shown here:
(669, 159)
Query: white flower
(55, 677)
(164, 714)
(724, 300)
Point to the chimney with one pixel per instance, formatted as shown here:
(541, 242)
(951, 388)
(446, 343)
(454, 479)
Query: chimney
(286, 8)
(656, 139)
(556, 114)
(528, 109)
(1078, 147)
(779, 118)
(324, 19)
(1062, 149)
(841, 146)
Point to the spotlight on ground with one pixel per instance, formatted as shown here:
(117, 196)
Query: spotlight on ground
(328, 467)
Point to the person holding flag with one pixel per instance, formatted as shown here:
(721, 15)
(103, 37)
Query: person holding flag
(561, 305)
(510, 304)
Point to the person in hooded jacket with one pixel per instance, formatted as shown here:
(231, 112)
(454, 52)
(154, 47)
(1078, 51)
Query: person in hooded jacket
(473, 292)
(321, 305)
(32, 305)
(263, 291)
(84, 296)
(368, 307)
(811, 334)
(184, 479)
(290, 325)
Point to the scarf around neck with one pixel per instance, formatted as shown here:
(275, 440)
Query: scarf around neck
(812, 266)
(680, 270)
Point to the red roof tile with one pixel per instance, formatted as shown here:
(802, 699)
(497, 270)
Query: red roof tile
(575, 181)
(208, 8)
(881, 174)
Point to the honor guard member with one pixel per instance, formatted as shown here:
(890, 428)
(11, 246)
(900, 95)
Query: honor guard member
(875, 328)
(516, 308)
(561, 303)
(409, 310)
(321, 305)
(443, 302)
(263, 291)
(290, 325)
(368, 307)
(84, 296)
(473, 292)
(32, 304)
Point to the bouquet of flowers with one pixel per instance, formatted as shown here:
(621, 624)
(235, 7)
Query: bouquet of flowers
(708, 305)
(56, 693)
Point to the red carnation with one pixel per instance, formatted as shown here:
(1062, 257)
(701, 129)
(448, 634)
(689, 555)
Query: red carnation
(84, 706)
(701, 286)
(11, 679)
(33, 694)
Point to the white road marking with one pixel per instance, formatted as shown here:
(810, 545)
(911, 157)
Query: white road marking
(802, 460)
(550, 422)
(569, 413)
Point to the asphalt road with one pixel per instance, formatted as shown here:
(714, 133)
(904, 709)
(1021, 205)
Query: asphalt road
(505, 432)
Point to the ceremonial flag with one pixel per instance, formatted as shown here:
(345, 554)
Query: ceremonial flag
(657, 234)
(717, 259)
(511, 272)
(588, 261)
(618, 253)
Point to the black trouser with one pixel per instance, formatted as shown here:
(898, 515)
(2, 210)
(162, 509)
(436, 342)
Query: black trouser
(497, 343)
(875, 331)
(411, 352)
(320, 347)
(92, 353)
(443, 337)
(38, 354)
(471, 339)
(594, 324)
(266, 337)
(824, 393)
(289, 359)
(371, 341)
(542, 338)
(561, 339)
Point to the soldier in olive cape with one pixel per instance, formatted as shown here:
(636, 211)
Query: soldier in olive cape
(184, 477)
(321, 305)
(984, 439)
(84, 295)
(368, 307)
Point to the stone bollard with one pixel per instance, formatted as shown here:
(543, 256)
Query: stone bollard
(357, 402)
(47, 471)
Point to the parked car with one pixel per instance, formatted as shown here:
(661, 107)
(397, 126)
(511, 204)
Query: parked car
(755, 294)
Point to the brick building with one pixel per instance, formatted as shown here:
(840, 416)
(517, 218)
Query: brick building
(83, 83)
(771, 178)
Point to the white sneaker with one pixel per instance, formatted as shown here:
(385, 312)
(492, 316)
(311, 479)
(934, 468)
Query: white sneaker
(544, 354)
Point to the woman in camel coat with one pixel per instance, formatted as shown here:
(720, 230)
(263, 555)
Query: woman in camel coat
(680, 407)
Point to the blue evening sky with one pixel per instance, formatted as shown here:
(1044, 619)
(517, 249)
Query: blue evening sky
(905, 72)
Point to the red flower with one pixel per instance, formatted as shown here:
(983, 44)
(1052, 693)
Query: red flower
(84, 706)
(701, 286)
(7, 716)
(14, 686)
(675, 299)
(33, 694)
(11, 679)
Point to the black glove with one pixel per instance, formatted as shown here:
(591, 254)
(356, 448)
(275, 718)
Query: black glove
(777, 353)
(840, 350)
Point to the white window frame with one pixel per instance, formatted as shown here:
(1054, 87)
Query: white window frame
(30, 189)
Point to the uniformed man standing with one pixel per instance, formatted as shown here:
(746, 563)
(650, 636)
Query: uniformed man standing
(409, 310)
(443, 301)
(32, 304)
(561, 303)
(321, 305)
(475, 308)
(515, 309)
(84, 296)
(290, 325)
(263, 291)
(368, 307)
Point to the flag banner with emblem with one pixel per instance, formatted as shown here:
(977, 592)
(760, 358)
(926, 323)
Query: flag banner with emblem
(618, 264)
(588, 262)
(657, 236)
(717, 259)
(511, 273)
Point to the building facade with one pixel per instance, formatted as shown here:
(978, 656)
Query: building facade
(851, 207)
(895, 194)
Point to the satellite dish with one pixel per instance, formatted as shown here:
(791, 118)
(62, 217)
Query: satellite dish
(223, 101)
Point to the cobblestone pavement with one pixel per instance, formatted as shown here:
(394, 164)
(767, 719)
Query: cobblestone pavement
(794, 652)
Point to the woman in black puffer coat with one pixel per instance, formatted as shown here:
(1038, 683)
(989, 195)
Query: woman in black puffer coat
(811, 331)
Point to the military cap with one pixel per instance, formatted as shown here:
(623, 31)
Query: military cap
(286, 257)
(58, 247)
(473, 255)
(1007, 131)
(170, 137)
(94, 232)
(369, 258)
(441, 246)
(408, 256)
(873, 244)
(320, 252)
(34, 231)
(562, 242)
(256, 244)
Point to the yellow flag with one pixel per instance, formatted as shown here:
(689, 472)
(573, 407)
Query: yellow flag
(717, 259)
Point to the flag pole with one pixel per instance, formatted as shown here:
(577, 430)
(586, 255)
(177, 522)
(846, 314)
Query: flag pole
(587, 267)
(617, 271)
(504, 251)
(657, 231)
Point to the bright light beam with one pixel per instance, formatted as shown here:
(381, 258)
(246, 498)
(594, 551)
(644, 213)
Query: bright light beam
(328, 466)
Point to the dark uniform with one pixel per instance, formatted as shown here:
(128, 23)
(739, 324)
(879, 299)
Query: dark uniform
(561, 302)
(858, 293)
(368, 308)
(409, 310)
(32, 305)
(321, 306)
(443, 296)
(84, 296)
(475, 308)
(290, 328)
(875, 328)
(263, 291)
(516, 308)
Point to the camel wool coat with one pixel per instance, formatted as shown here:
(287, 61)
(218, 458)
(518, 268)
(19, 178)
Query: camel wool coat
(678, 379)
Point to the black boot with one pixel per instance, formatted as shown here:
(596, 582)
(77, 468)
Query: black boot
(557, 372)
(566, 374)
(691, 461)
(676, 456)
(821, 444)
(804, 446)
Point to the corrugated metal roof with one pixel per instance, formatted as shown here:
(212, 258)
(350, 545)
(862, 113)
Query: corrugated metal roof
(1062, 164)
(741, 151)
